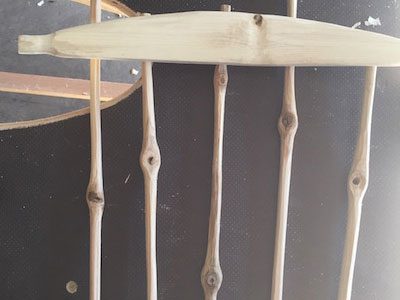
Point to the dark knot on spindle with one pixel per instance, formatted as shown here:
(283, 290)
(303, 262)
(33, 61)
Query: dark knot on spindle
(95, 197)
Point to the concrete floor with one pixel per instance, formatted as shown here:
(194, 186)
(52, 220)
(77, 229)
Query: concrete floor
(27, 17)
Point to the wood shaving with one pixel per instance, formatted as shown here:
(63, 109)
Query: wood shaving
(373, 22)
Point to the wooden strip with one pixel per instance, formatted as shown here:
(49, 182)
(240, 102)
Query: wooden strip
(95, 190)
(211, 275)
(357, 187)
(220, 38)
(111, 6)
(68, 115)
(150, 161)
(287, 125)
(58, 86)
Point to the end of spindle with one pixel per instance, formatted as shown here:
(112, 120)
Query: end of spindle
(226, 7)
(221, 76)
(35, 44)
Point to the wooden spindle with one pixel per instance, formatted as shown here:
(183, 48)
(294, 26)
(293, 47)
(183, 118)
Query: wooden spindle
(357, 186)
(95, 191)
(150, 161)
(211, 275)
(287, 126)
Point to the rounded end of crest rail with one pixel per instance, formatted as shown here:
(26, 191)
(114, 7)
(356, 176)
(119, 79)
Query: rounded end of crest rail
(35, 44)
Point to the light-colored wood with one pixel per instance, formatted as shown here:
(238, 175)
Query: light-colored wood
(292, 8)
(220, 38)
(112, 6)
(58, 86)
(357, 187)
(150, 160)
(95, 190)
(211, 275)
(287, 126)
(64, 87)
(68, 115)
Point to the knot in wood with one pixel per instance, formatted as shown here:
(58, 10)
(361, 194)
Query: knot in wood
(358, 181)
(95, 197)
(152, 159)
(358, 184)
(223, 80)
(213, 280)
(288, 121)
(258, 19)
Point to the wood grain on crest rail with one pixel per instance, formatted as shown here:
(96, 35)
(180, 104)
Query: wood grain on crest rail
(220, 38)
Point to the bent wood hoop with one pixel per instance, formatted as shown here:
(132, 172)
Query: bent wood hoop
(220, 38)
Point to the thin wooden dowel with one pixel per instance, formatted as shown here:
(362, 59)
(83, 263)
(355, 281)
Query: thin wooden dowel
(287, 126)
(150, 161)
(211, 275)
(357, 187)
(111, 6)
(95, 191)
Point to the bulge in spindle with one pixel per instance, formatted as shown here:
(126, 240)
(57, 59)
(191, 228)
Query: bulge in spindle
(211, 280)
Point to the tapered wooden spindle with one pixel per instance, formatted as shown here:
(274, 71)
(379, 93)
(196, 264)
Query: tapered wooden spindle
(211, 275)
(95, 193)
(150, 161)
(357, 186)
(287, 126)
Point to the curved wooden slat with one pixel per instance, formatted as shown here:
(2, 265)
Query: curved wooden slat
(58, 86)
(220, 38)
(68, 115)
